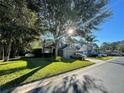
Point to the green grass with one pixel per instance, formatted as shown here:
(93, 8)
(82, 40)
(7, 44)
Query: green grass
(14, 73)
(102, 58)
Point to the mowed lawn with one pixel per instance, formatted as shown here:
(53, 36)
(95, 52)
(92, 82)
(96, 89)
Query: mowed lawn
(21, 71)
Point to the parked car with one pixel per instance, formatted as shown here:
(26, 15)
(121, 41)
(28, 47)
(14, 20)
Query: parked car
(102, 55)
(79, 56)
(122, 54)
(92, 54)
(115, 54)
(29, 55)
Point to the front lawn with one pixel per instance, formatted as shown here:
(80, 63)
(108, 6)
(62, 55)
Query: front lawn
(17, 72)
(103, 58)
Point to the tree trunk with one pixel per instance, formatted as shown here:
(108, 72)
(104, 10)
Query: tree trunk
(17, 52)
(9, 50)
(87, 48)
(56, 49)
(3, 52)
(14, 53)
(43, 51)
(6, 52)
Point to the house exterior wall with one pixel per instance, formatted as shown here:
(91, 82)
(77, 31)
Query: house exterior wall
(68, 52)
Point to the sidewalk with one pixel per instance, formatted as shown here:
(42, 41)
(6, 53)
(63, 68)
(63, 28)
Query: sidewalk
(27, 87)
(95, 60)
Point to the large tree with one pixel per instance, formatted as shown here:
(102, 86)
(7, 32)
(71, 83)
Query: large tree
(18, 25)
(60, 16)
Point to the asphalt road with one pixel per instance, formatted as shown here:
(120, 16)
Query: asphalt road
(105, 78)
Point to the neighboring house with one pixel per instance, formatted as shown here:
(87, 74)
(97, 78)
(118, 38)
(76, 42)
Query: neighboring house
(83, 49)
(68, 51)
(92, 52)
(49, 51)
(87, 50)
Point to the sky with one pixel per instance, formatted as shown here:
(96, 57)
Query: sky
(113, 29)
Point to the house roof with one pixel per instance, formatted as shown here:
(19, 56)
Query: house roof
(82, 49)
(63, 46)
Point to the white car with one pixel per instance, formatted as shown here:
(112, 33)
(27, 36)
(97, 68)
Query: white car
(29, 55)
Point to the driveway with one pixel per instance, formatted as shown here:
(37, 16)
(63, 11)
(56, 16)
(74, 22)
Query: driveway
(104, 78)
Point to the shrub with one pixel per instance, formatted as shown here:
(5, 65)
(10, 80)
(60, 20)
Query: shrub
(58, 58)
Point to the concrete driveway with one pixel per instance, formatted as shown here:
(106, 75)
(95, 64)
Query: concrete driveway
(103, 78)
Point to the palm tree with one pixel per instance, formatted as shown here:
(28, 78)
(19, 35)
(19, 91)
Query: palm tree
(91, 41)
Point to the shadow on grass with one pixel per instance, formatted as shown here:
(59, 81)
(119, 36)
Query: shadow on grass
(9, 71)
(3, 64)
(73, 84)
(32, 63)
(19, 80)
(36, 62)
